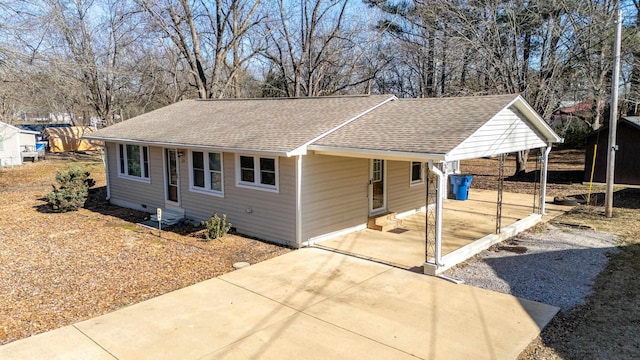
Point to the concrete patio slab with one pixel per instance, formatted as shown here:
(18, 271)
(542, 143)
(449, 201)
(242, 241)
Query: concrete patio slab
(463, 222)
(302, 278)
(304, 337)
(435, 319)
(66, 343)
(184, 324)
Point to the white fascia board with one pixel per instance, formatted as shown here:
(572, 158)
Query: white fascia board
(535, 119)
(302, 150)
(377, 154)
(28, 132)
(186, 146)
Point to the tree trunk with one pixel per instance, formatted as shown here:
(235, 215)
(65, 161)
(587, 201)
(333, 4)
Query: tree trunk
(521, 163)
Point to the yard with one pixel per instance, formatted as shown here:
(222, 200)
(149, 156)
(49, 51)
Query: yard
(62, 268)
(58, 269)
(606, 326)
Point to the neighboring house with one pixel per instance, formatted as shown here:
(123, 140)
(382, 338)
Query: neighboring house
(297, 170)
(574, 110)
(627, 166)
(16, 145)
(38, 117)
(61, 139)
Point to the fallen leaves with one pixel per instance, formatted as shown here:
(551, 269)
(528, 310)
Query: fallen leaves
(58, 269)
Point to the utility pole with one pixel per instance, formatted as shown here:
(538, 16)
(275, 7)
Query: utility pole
(613, 119)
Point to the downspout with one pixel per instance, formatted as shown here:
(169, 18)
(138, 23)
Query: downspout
(543, 186)
(299, 201)
(439, 201)
(107, 171)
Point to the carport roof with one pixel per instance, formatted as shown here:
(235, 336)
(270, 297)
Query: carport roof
(428, 128)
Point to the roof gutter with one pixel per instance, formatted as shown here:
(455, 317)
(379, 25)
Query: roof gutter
(188, 146)
(302, 150)
(377, 154)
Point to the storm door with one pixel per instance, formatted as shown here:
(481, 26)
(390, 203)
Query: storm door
(377, 187)
(171, 176)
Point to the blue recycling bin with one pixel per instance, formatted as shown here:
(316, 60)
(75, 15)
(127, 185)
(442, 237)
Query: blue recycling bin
(461, 185)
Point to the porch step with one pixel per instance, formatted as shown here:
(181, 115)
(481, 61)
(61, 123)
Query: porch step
(169, 216)
(383, 222)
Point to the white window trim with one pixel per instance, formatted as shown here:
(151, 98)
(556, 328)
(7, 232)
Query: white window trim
(256, 185)
(207, 174)
(131, 177)
(416, 182)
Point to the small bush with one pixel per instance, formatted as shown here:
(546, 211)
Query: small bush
(216, 227)
(72, 191)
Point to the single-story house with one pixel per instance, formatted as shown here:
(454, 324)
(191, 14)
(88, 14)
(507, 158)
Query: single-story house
(627, 167)
(294, 171)
(69, 138)
(16, 144)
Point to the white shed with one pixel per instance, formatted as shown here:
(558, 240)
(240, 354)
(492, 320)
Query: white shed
(15, 143)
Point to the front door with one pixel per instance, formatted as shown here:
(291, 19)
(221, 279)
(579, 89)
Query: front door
(171, 177)
(377, 187)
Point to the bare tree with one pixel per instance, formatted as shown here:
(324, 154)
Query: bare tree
(314, 52)
(212, 37)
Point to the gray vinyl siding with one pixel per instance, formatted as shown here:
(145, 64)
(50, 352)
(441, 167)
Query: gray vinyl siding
(334, 194)
(138, 195)
(504, 133)
(272, 216)
(401, 195)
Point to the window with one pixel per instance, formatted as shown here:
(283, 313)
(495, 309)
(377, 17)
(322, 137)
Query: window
(206, 171)
(376, 173)
(256, 171)
(1, 144)
(133, 161)
(417, 171)
(247, 169)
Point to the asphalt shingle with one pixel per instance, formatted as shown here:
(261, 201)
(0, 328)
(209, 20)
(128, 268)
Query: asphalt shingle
(273, 125)
(433, 125)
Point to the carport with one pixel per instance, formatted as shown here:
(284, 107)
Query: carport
(440, 133)
(467, 226)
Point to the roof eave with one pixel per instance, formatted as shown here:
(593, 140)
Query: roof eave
(376, 154)
(535, 120)
(186, 146)
(28, 132)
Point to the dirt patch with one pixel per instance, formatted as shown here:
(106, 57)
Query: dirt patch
(513, 249)
(58, 269)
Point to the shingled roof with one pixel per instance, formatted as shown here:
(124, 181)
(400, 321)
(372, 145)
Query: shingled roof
(371, 125)
(432, 125)
(277, 125)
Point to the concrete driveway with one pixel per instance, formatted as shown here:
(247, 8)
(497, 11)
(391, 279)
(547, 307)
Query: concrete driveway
(311, 304)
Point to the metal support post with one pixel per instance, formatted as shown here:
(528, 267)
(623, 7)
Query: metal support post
(500, 188)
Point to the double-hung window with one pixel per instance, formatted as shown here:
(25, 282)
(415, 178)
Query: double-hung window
(257, 171)
(133, 161)
(206, 172)
(417, 173)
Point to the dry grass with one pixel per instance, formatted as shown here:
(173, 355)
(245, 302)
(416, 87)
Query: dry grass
(565, 174)
(608, 324)
(58, 269)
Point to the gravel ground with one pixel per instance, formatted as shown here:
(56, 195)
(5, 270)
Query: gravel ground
(555, 265)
